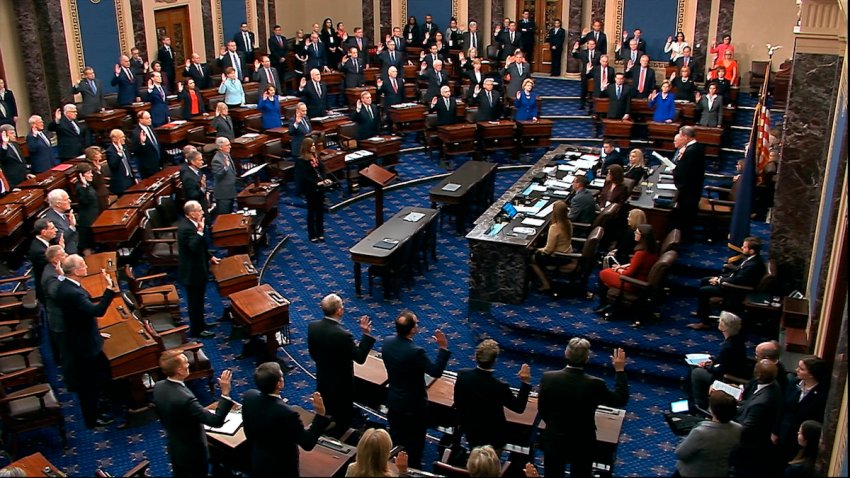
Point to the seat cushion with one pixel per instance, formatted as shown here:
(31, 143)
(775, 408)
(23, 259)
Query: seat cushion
(13, 363)
(151, 299)
(203, 361)
(28, 408)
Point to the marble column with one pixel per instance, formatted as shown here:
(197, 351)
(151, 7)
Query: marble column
(811, 105)
(138, 17)
(209, 39)
(34, 67)
(573, 26)
(724, 19)
(272, 14)
(497, 12)
(597, 12)
(262, 32)
(837, 387)
(476, 12)
(386, 20)
(700, 41)
(368, 20)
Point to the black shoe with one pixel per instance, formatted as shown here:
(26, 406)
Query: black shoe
(102, 422)
(212, 325)
(204, 335)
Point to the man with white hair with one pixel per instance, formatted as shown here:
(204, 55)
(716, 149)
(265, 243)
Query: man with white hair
(70, 135)
(315, 94)
(40, 149)
(12, 159)
(59, 212)
(489, 102)
(436, 78)
(193, 265)
(392, 89)
(224, 172)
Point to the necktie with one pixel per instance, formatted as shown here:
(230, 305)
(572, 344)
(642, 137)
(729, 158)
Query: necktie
(397, 44)
(168, 50)
(279, 41)
(359, 44)
(128, 73)
(318, 88)
(634, 55)
(369, 110)
(490, 98)
(512, 37)
(642, 79)
(392, 57)
(248, 44)
(596, 36)
(234, 60)
(161, 92)
(356, 66)
(474, 41)
(17, 154)
(686, 61)
(76, 128)
(618, 92)
(316, 48)
(151, 135)
(3, 108)
(433, 59)
(395, 87)
(125, 162)
(439, 78)
(44, 138)
(604, 74)
(270, 77)
(519, 67)
(93, 86)
(200, 70)
(590, 56)
(306, 124)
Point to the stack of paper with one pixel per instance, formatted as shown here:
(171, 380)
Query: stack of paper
(696, 359)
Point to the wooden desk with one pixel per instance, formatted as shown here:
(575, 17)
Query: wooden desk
(35, 464)
(134, 108)
(11, 218)
(205, 120)
(102, 260)
(102, 122)
(365, 251)
(231, 231)
(241, 113)
(619, 130)
(710, 138)
(333, 80)
(115, 313)
(246, 147)
(32, 201)
(534, 134)
(47, 180)
(475, 180)
(234, 273)
(662, 134)
(328, 124)
(115, 226)
(162, 183)
(407, 119)
(264, 197)
(385, 149)
(353, 94)
(265, 312)
(95, 284)
(496, 135)
(281, 133)
(457, 139)
(130, 350)
(133, 200)
(173, 134)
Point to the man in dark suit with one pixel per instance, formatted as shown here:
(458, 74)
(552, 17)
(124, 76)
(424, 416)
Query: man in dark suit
(748, 273)
(193, 265)
(8, 105)
(407, 400)
(71, 136)
(41, 152)
(86, 368)
(198, 71)
(126, 82)
(137, 64)
(436, 78)
(630, 53)
(589, 59)
(278, 48)
(481, 398)
(567, 403)
(299, 128)
(687, 60)
(158, 99)
(91, 90)
(314, 49)
(583, 207)
(619, 98)
(472, 38)
(596, 34)
(118, 159)
(11, 158)
(489, 102)
(194, 181)
(556, 38)
(267, 75)
(315, 94)
(366, 116)
(45, 234)
(509, 42)
(519, 70)
(429, 30)
(612, 156)
(445, 106)
(390, 56)
(273, 429)
(431, 56)
(758, 412)
(50, 283)
(224, 173)
(361, 43)
(333, 349)
(229, 57)
(352, 67)
(392, 90)
(689, 178)
(643, 78)
(245, 43)
(165, 56)
(640, 43)
(59, 212)
(527, 30)
(147, 143)
(183, 417)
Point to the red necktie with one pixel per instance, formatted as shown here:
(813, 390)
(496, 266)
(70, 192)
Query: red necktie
(604, 75)
(642, 76)
(395, 87)
(269, 75)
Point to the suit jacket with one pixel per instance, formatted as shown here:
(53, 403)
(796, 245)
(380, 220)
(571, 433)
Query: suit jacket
(684, 89)
(35, 254)
(11, 106)
(186, 111)
(390, 96)
(82, 337)
(614, 157)
(567, 402)
(748, 273)
(429, 60)
(488, 110)
(387, 62)
(88, 206)
(367, 125)
(333, 349)
(353, 73)
(202, 77)
(625, 54)
(406, 364)
(120, 179)
(148, 154)
(556, 39)
(584, 57)
(731, 358)
(648, 82)
(277, 50)
(159, 106)
(467, 41)
(480, 400)
(431, 28)
(225, 177)
(316, 57)
(316, 101)
(515, 83)
(70, 143)
(194, 257)
(274, 432)
(640, 46)
(50, 285)
(166, 59)
(713, 116)
(64, 228)
(445, 115)
(297, 132)
(526, 31)
(183, 419)
(475, 80)
(689, 176)
(612, 193)
(240, 43)
(261, 76)
(362, 51)
(192, 187)
(223, 126)
(92, 101)
(227, 60)
(618, 107)
(13, 164)
(583, 207)
(692, 63)
(795, 411)
(706, 450)
(596, 74)
(508, 47)
(42, 156)
(601, 41)
(758, 414)
(127, 87)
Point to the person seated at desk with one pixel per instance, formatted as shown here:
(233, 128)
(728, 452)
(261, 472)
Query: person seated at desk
(646, 255)
(663, 104)
(613, 191)
(193, 100)
(683, 84)
(619, 98)
(489, 102)
(610, 155)
(731, 359)
(558, 239)
(707, 448)
(445, 106)
(231, 88)
(636, 170)
(582, 205)
(373, 455)
(269, 106)
(625, 246)
(483, 461)
(222, 123)
(526, 102)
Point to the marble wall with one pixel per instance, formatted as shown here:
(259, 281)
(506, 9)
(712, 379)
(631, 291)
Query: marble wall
(699, 48)
(497, 11)
(573, 26)
(386, 19)
(724, 19)
(806, 136)
(262, 31)
(597, 11)
(138, 17)
(476, 12)
(209, 38)
(368, 19)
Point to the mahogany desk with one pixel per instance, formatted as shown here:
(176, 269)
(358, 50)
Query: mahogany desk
(32, 201)
(35, 464)
(231, 231)
(102, 260)
(534, 134)
(396, 228)
(205, 120)
(474, 182)
(101, 122)
(133, 200)
(48, 180)
(265, 312)
(385, 149)
(246, 147)
(134, 108)
(234, 274)
(95, 284)
(457, 139)
(370, 384)
(407, 119)
(11, 218)
(353, 94)
(162, 183)
(496, 135)
(328, 124)
(115, 226)
(173, 134)
(263, 196)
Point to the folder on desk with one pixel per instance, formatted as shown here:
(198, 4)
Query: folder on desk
(451, 187)
(386, 243)
(231, 424)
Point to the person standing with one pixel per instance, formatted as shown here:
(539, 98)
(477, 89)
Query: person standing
(183, 417)
(278, 48)
(70, 135)
(333, 349)
(194, 260)
(59, 212)
(596, 34)
(41, 155)
(407, 400)
(88, 206)
(556, 38)
(8, 105)
(126, 81)
(244, 40)
(527, 30)
(273, 429)
(366, 116)
(197, 71)
(589, 59)
(567, 403)
(146, 146)
(11, 157)
(91, 89)
(118, 159)
(50, 281)
(86, 367)
(689, 177)
(165, 56)
(224, 173)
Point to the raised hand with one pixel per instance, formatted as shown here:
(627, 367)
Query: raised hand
(222, 51)
(630, 65)
(223, 77)
(477, 89)
(575, 46)
(256, 65)
(147, 66)
(440, 337)
(188, 64)
(302, 84)
(524, 373)
(57, 115)
(379, 82)
(387, 39)
(117, 69)
(359, 105)
(365, 325)
(653, 94)
(433, 101)
(380, 47)
(421, 55)
(224, 381)
(672, 75)
(589, 67)
(698, 96)
(318, 403)
(518, 94)
(619, 359)
(142, 136)
(625, 35)
(179, 86)
(424, 66)
(461, 57)
(150, 84)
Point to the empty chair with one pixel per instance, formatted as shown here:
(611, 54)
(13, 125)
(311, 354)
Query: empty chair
(200, 366)
(156, 298)
(30, 408)
(671, 242)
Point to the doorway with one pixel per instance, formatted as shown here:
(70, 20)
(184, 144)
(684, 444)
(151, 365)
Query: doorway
(174, 23)
(543, 13)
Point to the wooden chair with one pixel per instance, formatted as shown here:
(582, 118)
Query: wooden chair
(432, 141)
(30, 408)
(277, 157)
(159, 245)
(158, 298)
(137, 471)
(347, 136)
(642, 298)
(159, 320)
(168, 210)
(254, 123)
(715, 209)
(200, 366)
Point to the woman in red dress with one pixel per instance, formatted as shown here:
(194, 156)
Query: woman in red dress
(646, 255)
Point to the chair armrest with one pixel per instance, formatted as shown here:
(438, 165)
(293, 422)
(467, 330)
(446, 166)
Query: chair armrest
(10, 306)
(193, 347)
(10, 323)
(163, 293)
(580, 240)
(161, 275)
(31, 371)
(730, 267)
(19, 293)
(22, 352)
(720, 202)
(176, 330)
(163, 230)
(138, 470)
(160, 241)
(39, 391)
(22, 279)
(744, 288)
(585, 225)
(567, 255)
(631, 280)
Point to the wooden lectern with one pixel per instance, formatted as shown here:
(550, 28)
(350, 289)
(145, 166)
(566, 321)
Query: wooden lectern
(264, 312)
(234, 274)
(231, 231)
(380, 177)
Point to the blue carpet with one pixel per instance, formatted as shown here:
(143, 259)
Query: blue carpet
(535, 332)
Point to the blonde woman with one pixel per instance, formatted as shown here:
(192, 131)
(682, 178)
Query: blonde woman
(636, 169)
(559, 239)
(626, 244)
(483, 461)
(373, 455)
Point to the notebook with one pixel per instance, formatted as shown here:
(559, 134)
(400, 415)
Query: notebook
(386, 243)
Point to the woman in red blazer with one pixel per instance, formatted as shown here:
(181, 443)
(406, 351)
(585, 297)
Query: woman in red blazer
(646, 255)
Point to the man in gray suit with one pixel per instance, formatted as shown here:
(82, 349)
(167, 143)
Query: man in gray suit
(59, 212)
(267, 75)
(583, 206)
(92, 91)
(224, 172)
(519, 70)
(472, 39)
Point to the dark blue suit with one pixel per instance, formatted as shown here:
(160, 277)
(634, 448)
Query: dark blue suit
(120, 179)
(159, 106)
(749, 273)
(41, 152)
(315, 57)
(407, 399)
(127, 90)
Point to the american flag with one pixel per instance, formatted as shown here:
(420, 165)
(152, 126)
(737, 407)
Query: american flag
(762, 139)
